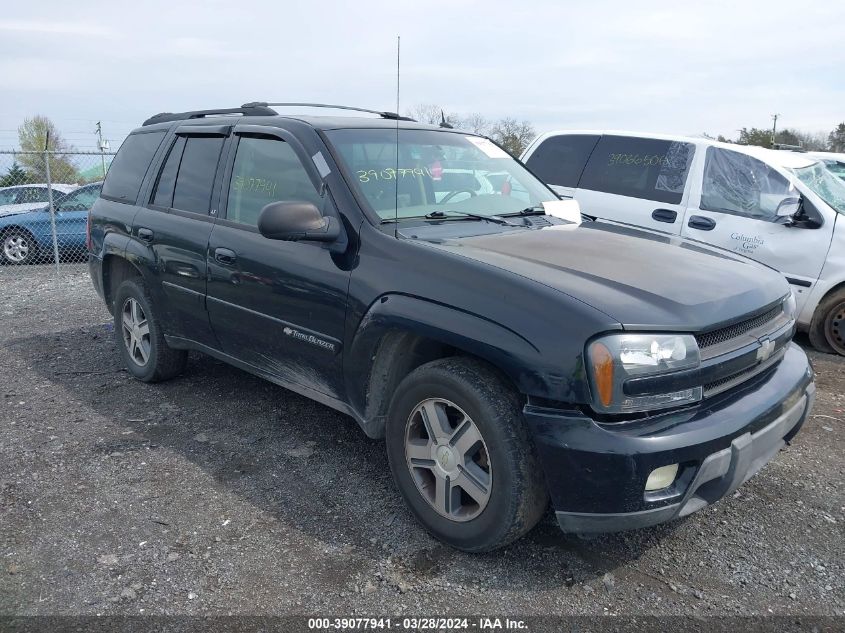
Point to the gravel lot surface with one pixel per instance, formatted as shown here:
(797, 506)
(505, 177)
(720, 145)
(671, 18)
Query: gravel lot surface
(218, 493)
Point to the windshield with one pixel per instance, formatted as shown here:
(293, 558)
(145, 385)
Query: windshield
(438, 171)
(835, 167)
(823, 183)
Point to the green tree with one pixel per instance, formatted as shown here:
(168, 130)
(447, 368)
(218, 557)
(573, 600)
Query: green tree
(836, 139)
(15, 176)
(787, 137)
(755, 136)
(36, 135)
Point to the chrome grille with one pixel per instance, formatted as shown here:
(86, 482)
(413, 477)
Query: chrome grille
(723, 384)
(722, 335)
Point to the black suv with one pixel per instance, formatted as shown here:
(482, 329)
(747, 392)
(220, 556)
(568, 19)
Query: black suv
(410, 277)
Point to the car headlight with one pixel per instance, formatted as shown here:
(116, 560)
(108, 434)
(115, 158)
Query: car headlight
(789, 306)
(627, 371)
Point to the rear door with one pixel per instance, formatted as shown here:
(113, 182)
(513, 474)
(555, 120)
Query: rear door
(559, 160)
(637, 181)
(278, 306)
(734, 207)
(176, 223)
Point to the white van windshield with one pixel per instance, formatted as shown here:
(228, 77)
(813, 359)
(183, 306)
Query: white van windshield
(823, 183)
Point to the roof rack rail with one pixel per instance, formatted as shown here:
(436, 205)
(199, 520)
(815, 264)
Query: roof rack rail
(246, 110)
(384, 115)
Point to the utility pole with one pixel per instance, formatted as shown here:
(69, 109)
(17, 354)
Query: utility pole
(774, 128)
(103, 145)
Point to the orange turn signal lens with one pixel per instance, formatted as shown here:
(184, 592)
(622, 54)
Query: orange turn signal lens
(601, 362)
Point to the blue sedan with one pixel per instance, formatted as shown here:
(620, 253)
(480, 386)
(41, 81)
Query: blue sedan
(27, 237)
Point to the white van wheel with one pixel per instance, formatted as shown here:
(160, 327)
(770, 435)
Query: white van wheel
(827, 330)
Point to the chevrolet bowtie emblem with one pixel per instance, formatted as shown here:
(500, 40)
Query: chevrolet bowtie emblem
(767, 346)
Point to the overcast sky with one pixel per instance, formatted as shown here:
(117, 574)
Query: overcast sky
(677, 67)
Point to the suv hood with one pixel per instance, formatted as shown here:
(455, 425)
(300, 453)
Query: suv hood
(641, 279)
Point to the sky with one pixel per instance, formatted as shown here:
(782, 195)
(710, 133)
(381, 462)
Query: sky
(676, 67)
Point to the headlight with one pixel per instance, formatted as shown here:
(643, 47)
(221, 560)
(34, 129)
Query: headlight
(618, 363)
(789, 306)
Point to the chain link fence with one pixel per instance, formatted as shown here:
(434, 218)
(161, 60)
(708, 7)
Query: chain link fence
(44, 203)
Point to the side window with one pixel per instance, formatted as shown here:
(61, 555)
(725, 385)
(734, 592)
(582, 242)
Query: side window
(560, 160)
(80, 200)
(266, 170)
(738, 184)
(127, 171)
(163, 195)
(9, 196)
(652, 169)
(196, 173)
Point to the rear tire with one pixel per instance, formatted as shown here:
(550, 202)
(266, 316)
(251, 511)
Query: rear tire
(139, 336)
(474, 481)
(827, 329)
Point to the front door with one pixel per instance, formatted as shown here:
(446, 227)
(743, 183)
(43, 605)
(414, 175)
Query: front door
(637, 181)
(278, 306)
(735, 209)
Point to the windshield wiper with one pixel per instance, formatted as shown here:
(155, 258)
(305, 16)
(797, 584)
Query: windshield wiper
(535, 210)
(441, 215)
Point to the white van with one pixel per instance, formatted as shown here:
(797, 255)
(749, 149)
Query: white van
(784, 209)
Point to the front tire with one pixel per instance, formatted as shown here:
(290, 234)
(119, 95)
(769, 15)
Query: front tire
(18, 247)
(827, 329)
(139, 336)
(461, 455)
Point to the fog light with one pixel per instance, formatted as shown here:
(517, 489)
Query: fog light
(661, 477)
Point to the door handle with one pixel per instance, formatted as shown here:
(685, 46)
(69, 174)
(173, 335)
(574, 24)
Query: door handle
(664, 215)
(701, 223)
(225, 256)
(145, 235)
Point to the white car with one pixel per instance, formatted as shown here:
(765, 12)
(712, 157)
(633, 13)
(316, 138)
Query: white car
(24, 198)
(784, 209)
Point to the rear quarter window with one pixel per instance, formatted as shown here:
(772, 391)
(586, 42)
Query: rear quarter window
(560, 160)
(129, 167)
(652, 169)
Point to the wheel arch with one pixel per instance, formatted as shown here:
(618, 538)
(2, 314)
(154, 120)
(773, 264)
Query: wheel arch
(400, 333)
(116, 269)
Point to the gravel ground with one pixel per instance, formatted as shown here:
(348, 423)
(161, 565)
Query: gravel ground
(218, 493)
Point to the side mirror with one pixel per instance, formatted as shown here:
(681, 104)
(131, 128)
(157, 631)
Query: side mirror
(788, 207)
(294, 221)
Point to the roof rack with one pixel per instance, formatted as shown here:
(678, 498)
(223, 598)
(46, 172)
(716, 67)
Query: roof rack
(383, 115)
(250, 109)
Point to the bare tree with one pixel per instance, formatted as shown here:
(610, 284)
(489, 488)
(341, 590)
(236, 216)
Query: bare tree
(36, 135)
(812, 141)
(475, 122)
(513, 135)
(432, 114)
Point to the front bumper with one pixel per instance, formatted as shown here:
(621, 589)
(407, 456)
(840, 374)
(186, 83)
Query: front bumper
(597, 472)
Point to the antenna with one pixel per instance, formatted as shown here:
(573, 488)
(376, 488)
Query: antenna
(396, 173)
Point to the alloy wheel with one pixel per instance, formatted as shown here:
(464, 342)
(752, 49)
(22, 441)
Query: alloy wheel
(136, 331)
(15, 248)
(448, 459)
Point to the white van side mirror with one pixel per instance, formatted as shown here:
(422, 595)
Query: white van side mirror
(788, 207)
